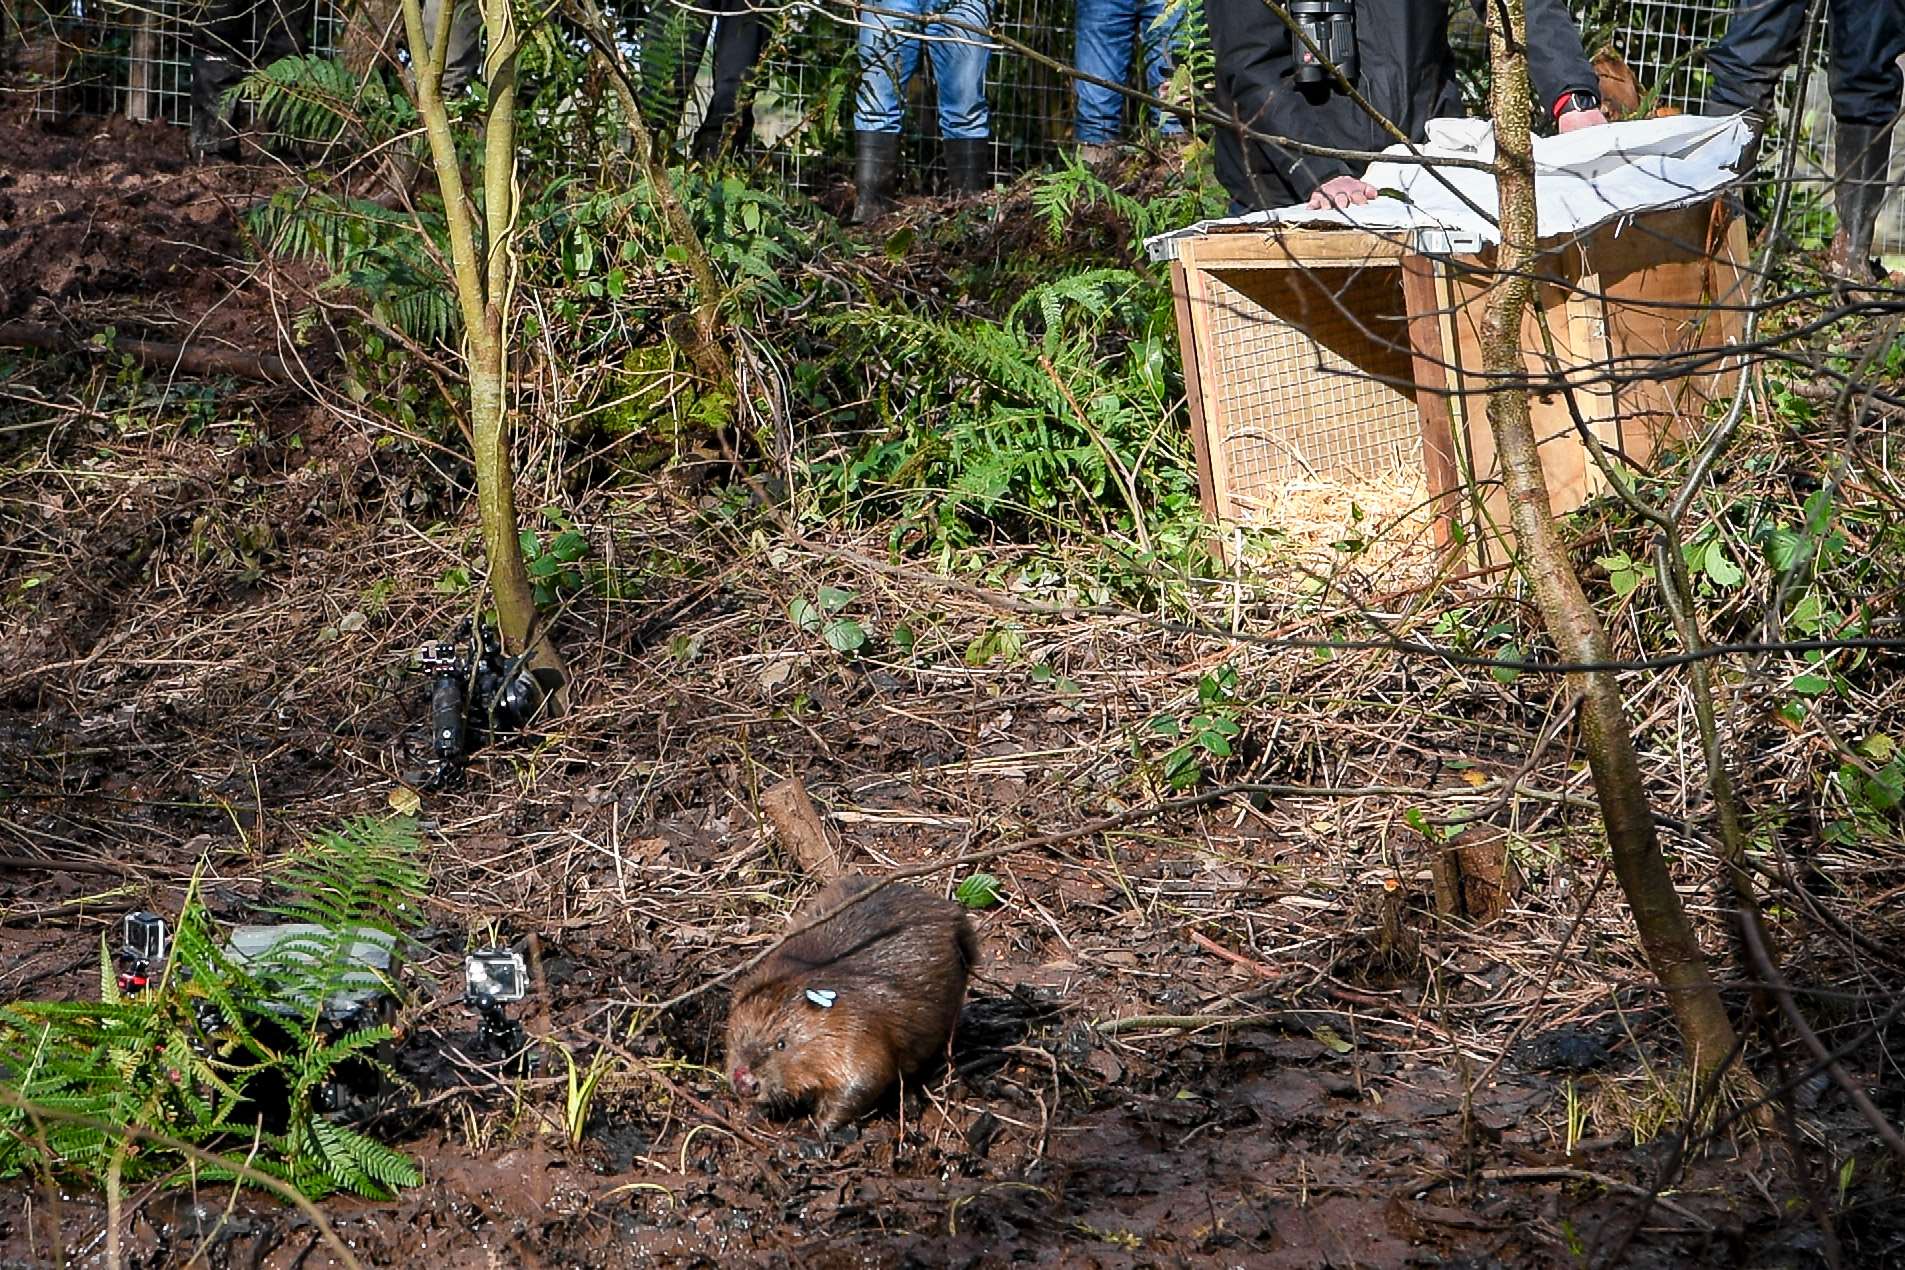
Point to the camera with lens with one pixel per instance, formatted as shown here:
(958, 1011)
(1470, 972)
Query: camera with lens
(476, 694)
(1329, 25)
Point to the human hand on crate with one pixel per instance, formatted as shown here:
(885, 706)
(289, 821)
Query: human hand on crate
(1342, 191)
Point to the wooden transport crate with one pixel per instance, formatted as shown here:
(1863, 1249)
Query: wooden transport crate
(1339, 355)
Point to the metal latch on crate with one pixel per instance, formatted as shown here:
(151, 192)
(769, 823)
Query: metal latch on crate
(1447, 242)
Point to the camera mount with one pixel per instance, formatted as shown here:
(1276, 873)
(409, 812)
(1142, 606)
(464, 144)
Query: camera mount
(476, 695)
(493, 979)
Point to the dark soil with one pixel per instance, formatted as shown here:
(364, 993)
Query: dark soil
(208, 622)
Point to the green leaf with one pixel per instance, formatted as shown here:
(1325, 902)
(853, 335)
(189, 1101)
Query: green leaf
(833, 599)
(1785, 549)
(1720, 567)
(569, 546)
(1215, 742)
(1331, 1040)
(843, 634)
(1507, 674)
(1811, 685)
(802, 612)
(1181, 768)
(1624, 574)
(981, 890)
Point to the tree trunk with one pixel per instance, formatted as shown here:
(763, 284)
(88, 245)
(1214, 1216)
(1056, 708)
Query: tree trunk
(484, 278)
(1666, 936)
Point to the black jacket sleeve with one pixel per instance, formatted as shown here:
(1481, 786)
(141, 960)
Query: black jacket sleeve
(1252, 47)
(1556, 62)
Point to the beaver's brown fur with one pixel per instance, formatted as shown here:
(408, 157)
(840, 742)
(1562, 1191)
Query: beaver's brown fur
(840, 1012)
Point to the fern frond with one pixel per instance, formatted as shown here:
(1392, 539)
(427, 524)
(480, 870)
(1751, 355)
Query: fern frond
(318, 100)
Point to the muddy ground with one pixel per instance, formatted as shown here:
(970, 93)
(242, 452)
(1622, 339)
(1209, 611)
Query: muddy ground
(208, 618)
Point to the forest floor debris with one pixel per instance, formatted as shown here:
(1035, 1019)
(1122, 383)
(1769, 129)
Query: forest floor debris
(211, 623)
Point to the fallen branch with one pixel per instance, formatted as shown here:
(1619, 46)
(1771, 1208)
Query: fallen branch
(1183, 1022)
(196, 360)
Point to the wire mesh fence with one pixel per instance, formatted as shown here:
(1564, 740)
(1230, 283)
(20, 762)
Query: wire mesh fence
(1664, 42)
(120, 57)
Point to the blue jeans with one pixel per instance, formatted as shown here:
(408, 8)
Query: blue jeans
(1106, 32)
(890, 54)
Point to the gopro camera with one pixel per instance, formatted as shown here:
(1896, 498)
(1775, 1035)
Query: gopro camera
(142, 945)
(494, 977)
(143, 937)
(1331, 27)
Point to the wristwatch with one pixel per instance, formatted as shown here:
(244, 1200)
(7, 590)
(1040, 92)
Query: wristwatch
(1575, 99)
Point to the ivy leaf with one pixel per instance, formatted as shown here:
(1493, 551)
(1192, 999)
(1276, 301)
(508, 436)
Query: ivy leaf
(1784, 549)
(843, 634)
(1720, 567)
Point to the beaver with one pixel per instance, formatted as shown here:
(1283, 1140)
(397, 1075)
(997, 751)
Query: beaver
(840, 1012)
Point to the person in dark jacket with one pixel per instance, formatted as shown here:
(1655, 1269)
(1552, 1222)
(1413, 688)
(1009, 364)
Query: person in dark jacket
(1866, 39)
(1405, 70)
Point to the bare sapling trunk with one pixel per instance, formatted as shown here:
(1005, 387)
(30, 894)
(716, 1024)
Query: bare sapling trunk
(1667, 937)
(483, 268)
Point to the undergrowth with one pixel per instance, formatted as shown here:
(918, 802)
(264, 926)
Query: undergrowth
(227, 1058)
(1005, 373)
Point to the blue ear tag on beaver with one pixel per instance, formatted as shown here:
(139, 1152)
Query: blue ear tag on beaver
(822, 997)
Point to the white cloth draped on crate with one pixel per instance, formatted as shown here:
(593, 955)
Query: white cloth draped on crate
(1582, 180)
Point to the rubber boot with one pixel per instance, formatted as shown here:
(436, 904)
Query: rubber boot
(716, 135)
(876, 163)
(212, 133)
(1864, 157)
(968, 166)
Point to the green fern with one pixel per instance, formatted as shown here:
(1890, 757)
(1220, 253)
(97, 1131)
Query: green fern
(317, 100)
(381, 254)
(83, 1069)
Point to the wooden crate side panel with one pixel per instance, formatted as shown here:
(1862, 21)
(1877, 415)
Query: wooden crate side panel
(1214, 489)
(1673, 285)
(1300, 382)
(1562, 455)
(1429, 362)
(1187, 319)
